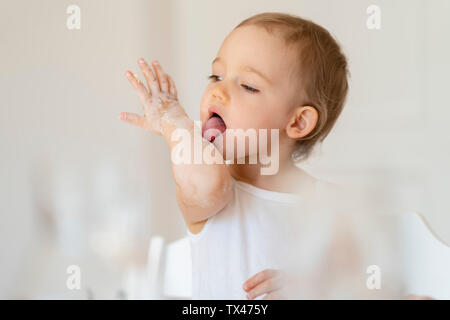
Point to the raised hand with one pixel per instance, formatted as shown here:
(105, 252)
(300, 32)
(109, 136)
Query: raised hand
(159, 100)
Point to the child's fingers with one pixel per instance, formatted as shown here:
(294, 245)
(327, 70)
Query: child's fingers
(274, 295)
(162, 77)
(138, 87)
(266, 286)
(133, 119)
(258, 278)
(172, 87)
(150, 77)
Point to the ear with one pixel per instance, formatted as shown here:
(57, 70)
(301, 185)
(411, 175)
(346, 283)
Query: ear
(302, 122)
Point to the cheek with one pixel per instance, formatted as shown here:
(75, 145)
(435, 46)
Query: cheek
(277, 112)
(250, 120)
(260, 114)
(247, 111)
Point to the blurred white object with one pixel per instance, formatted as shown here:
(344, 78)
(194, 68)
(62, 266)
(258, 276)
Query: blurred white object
(155, 255)
(169, 269)
(426, 258)
(136, 284)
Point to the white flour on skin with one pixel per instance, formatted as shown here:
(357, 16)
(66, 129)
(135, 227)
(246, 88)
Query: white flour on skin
(193, 195)
(172, 114)
(166, 110)
(196, 189)
(176, 116)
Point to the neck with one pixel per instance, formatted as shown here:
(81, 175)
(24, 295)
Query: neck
(285, 180)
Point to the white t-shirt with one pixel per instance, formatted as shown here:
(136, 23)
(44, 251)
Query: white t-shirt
(258, 229)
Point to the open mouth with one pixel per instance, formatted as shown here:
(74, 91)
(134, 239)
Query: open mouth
(213, 127)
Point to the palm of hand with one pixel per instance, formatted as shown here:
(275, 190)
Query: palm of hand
(158, 99)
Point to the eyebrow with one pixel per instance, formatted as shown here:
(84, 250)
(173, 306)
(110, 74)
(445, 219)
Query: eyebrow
(248, 68)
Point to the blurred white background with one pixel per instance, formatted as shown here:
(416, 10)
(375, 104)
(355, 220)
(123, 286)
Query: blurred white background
(77, 186)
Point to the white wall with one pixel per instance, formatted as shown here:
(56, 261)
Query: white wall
(65, 156)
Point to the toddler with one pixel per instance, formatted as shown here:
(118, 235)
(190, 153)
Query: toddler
(278, 83)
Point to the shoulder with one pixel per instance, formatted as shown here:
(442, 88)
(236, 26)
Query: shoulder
(311, 185)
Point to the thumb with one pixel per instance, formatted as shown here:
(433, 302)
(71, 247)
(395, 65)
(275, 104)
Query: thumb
(133, 119)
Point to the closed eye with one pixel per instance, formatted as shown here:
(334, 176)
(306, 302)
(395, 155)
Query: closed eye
(213, 76)
(248, 88)
(252, 90)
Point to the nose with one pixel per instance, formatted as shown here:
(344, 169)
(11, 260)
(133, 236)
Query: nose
(220, 93)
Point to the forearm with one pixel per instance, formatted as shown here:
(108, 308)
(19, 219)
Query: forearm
(199, 184)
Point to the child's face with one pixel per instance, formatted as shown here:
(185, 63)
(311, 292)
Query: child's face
(251, 47)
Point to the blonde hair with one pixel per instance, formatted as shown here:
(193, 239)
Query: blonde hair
(321, 68)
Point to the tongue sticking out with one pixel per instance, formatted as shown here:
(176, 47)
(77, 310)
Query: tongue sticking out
(213, 127)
